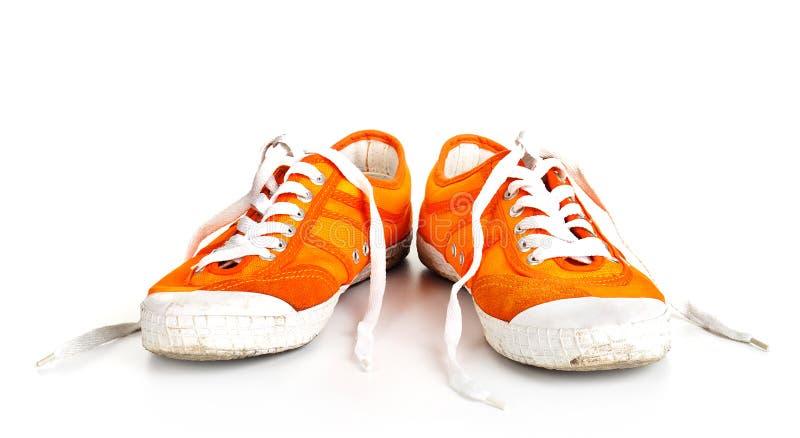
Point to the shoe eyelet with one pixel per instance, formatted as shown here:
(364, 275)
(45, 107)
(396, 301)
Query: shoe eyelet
(307, 197)
(356, 257)
(461, 258)
(532, 260)
(453, 249)
(514, 212)
(522, 245)
(518, 230)
(291, 231)
(365, 249)
(300, 214)
(508, 195)
(320, 180)
(281, 245)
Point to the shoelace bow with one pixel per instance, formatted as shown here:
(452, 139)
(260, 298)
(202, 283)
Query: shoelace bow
(257, 238)
(560, 241)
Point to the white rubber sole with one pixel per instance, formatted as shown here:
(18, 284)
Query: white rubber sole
(574, 347)
(212, 325)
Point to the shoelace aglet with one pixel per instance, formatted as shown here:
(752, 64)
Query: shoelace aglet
(706, 321)
(366, 364)
(471, 391)
(365, 341)
(759, 344)
(45, 360)
(468, 388)
(495, 403)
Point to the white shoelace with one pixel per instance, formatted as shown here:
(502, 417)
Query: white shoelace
(559, 242)
(257, 238)
(89, 340)
(275, 154)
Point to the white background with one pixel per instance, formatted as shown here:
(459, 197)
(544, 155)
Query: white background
(124, 127)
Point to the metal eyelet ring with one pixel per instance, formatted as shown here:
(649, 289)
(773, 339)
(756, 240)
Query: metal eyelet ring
(300, 214)
(532, 260)
(518, 230)
(522, 244)
(356, 257)
(291, 231)
(281, 245)
(514, 212)
(320, 180)
(365, 249)
(307, 197)
(508, 195)
(453, 249)
(461, 258)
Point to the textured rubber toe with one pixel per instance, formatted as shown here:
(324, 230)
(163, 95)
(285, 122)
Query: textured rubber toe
(217, 325)
(212, 325)
(581, 335)
(602, 347)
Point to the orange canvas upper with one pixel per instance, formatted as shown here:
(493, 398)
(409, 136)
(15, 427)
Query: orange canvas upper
(505, 284)
(318, 259)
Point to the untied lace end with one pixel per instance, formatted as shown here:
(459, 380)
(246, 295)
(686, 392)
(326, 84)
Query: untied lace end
(709, 322)
(365, 342)
(365, 332)
(89, 340)
(45, 360)
(457, 378)
(467, 387)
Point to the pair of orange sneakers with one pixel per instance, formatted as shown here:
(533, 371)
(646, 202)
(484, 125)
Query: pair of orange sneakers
(520, 229)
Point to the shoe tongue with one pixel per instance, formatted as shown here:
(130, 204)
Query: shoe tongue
(555, 178)
(528, 161)
(552, 179)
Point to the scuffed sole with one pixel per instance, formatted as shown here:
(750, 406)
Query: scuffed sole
(201, 326)
(567, 349)
(179, 333)
(585, 349)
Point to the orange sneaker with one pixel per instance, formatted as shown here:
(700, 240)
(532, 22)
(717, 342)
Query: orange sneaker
(524, 232)
(310, 227)
(271, 282)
